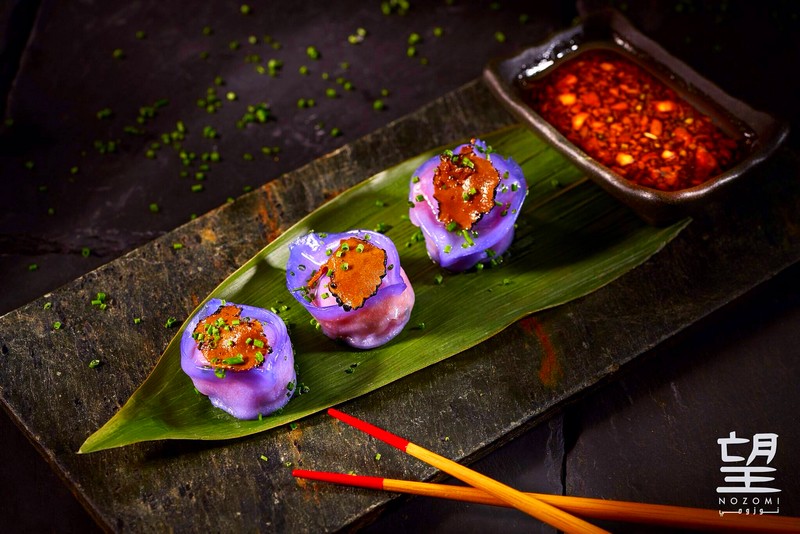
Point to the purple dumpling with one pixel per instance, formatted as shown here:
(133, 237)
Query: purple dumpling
(240, 357)
(466, 202)
(352, 284)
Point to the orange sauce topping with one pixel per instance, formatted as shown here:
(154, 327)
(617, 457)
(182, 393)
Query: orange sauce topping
(464, 185)
(229, 341)
(355, 269)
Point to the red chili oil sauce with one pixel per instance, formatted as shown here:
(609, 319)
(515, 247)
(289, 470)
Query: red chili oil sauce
(631, 122)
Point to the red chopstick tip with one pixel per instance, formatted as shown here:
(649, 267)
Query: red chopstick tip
(372, 430)
(361, 481)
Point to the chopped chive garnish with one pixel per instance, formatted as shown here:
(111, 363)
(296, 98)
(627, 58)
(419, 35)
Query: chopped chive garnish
(219, 372)
(86, 252)
(153, 207)
(312, 52)
(171, 321)
(345, 266)
(235, 360)
(245, 9)
(57, 325)
(33, 267)
(420, 198)
(451, 226)
(415, 180)
(438, 279)
(259, 357)
(447, 249)
(94, 363)
(500, 37)
(262, 457)
(378, 105)
(378, 456)
(48, 305)
(177, 246)
(258, 343)
(137, 320)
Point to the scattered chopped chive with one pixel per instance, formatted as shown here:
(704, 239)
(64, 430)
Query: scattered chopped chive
(51, 211)
(378, 456)
(438, 31)
(345, 266)
(258, 343)
(451, 226)
(506, 281)
(48, 305)
(312, 52)
(118, 54)
(447, 249)
(230, 95)
(57, 325)
(303, 70)
(140, 34)
(378, 105)
(360, 247)
(420, 198)
(94, 363)
(262, 457)
(137, 320)
(233, 45)
(384, 92)
(514, 187)
(287, 464)
(414, 38)
(153, 207)
(419, 326)
(500, 37)
(335, 132)
(32, 267)
(29, 165)
(415, 180)
(247, 156)
(105, 113)
(207, 30)
(74, 170)
(245, 9)
(524, 18)
(380, 203)
(438, 279)
(411, 51)
(171, 321)
(259, 357)
(196, 188)
(330, 92)
(219, 372)
(177, 246)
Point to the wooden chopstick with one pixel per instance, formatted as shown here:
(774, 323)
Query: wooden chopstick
(631, 512)
(525, 503)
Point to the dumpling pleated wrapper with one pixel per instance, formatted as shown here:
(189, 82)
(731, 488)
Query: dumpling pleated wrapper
(493, 232)
(380, 317)
(244, 394)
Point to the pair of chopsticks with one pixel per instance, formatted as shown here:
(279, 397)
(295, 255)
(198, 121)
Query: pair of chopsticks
(556, 510)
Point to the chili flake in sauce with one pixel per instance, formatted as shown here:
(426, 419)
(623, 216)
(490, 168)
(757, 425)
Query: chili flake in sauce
(356, 269)
(231, 342)
(631, 122)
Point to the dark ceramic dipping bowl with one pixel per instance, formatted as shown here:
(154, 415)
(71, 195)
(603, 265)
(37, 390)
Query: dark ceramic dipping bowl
(759, 133)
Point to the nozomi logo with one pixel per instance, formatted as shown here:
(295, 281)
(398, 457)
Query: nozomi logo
(748, 490)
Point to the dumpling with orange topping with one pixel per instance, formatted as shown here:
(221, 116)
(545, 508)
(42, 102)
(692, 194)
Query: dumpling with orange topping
(352, 284)
(240, 357)
(466, 202)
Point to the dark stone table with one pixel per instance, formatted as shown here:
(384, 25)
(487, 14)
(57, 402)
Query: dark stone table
(74, 202)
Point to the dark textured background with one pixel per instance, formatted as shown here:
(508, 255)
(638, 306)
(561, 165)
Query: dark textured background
(649, 434)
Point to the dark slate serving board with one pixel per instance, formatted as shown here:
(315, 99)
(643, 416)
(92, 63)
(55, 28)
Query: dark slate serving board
(462, 407)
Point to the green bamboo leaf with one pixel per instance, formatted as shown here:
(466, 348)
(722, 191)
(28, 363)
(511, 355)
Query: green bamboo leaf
(571, 239)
